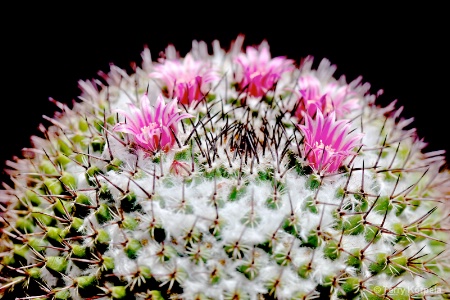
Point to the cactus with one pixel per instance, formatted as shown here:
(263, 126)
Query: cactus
(231, 175)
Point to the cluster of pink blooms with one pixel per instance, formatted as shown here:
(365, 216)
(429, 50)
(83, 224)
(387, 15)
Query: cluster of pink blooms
(328, 141)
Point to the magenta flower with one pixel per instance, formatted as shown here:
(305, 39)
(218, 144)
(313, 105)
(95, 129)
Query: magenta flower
(185, 80)
(152, 129)
(328, 142)
(259, 71)
(329, 97)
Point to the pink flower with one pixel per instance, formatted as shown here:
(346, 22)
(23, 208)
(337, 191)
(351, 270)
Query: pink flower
(259, 71)
(328, 142)
(186, 80)
(329, 97)
(152, 129)
(311, 98)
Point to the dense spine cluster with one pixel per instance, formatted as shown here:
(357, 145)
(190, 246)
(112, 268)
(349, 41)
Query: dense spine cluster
(230, 175)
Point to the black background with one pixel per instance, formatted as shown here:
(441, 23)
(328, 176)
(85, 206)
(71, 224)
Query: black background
(46, 50)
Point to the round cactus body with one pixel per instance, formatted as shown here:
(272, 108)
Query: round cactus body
(225, 175)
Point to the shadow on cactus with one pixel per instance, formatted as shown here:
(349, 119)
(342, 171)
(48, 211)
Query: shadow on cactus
(231, 175)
